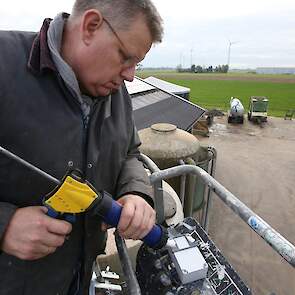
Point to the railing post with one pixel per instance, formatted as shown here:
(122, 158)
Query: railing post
(264, 230)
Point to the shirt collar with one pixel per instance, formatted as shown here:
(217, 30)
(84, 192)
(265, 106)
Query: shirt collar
(40, 58)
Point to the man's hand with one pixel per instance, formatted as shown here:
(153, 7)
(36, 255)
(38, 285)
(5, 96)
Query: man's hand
(137, 217)
(31, 234)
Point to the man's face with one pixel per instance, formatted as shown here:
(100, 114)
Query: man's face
(110, 57)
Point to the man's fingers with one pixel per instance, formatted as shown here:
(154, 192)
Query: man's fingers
(30, 234)
(57, 226)
(127, 214)
(148, 223)
(54, 240)
(142, 223)
(136, 221)
(45, 250)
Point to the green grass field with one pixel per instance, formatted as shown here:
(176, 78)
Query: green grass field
(215, 90)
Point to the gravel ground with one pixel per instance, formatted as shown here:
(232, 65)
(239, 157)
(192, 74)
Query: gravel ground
(257, 164)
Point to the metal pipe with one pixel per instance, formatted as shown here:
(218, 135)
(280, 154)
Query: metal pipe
(264, 230)
(158, 188)
(207, 209)
(189, 200)
(28, 165)
(131, 280)
(159, 201)
(182, 185)
(151, 165)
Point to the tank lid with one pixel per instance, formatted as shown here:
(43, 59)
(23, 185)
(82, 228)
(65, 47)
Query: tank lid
(166, 141)
(163, 127)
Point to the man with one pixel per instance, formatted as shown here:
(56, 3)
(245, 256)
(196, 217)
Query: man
(64, 105)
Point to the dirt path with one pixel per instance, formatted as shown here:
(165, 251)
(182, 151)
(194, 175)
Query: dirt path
(258, 166)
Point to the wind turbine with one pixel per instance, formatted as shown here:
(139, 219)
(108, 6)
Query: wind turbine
(228, 55)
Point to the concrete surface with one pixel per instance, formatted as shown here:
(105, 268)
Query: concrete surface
(257, 164)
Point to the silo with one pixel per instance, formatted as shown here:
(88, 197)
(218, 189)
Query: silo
(167, 146)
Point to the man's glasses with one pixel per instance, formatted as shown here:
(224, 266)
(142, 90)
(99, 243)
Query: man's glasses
(128, 60)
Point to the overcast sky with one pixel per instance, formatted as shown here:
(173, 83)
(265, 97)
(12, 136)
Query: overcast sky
(261, 32)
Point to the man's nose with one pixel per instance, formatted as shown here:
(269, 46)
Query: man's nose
(128, 73)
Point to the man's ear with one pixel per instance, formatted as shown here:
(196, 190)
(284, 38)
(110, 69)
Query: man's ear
(91, 22)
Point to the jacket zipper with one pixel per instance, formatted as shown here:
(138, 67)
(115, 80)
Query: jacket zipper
(86, 121)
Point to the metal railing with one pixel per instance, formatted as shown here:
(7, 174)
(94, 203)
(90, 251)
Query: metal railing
(281, 245)
(186, 198)
(264, 230)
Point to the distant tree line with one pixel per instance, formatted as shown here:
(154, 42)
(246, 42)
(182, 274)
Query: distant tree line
(200, 69)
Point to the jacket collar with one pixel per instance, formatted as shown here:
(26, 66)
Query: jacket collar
(40, 59)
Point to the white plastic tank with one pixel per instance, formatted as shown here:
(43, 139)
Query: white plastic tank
(236, 107)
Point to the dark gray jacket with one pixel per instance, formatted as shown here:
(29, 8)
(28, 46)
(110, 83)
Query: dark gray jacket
(42, 123)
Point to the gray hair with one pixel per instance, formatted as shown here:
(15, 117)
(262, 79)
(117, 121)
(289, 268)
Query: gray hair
(121, 13)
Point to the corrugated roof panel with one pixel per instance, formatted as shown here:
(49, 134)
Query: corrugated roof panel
(137, 86)
(167, 86)
(156, 105)
(149, 98)
(170, 110)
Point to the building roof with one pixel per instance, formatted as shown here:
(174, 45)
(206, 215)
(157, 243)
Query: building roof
(137, 86)
(275, 70)
(158, 106)
(167, 86)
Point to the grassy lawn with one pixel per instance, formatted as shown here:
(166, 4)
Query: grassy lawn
(166, 74)
(215, 90)
(216, 93)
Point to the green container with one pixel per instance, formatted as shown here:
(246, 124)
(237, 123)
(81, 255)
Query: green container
(166, 145)
(200, 187)
(195, 188)
(260, 106)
